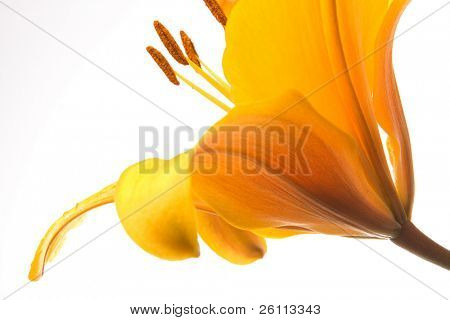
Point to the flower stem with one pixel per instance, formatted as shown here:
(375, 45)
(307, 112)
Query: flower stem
(413, 240)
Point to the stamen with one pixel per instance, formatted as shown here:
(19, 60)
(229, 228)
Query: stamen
(215, 75)
(170, 43)
(216, 11)
(162, 62)
(208, 96)
(194, 57)
(225, 90)
(172, 75)
(190, 48)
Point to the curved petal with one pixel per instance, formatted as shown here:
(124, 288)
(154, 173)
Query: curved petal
(363, 19)
(235, 245)
(388, 107)
(358, 23)
(341, 201)
(154, 203)
(367, 30)
(53, 240)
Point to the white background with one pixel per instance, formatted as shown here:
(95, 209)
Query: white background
(67, 129)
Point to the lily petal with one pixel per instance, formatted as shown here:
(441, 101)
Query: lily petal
(235, 245)
(277, 45)
(154, 203)
(388, 107)
(337, 197)
(52, 241)
(369, 55)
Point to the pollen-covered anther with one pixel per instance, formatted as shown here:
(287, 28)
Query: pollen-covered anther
(162, 62)
(169, 42)
(190, 48)
(216, 11)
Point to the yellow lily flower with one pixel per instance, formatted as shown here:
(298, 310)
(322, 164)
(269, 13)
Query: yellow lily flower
(323, 68)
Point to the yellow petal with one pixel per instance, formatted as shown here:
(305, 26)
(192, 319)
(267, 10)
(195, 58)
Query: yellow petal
(358, 24)
(337, 196)
(235, 245)
(276, 45)
(365, 19)
(156, 209)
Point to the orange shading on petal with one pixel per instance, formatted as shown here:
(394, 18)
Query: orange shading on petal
(337, 196)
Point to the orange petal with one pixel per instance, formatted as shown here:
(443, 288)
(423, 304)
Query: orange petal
(337, 196)
(388, 107)
(235, 245)
(369, 56)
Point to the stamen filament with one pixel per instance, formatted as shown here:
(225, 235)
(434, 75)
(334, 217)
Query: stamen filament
(208, 96)
(173, 76)
(212, 77)
(222, 89)
(215, 75)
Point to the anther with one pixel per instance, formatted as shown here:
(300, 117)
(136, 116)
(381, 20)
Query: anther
(190, 48)
(216, 11)
(170, 43)
(162, 62)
